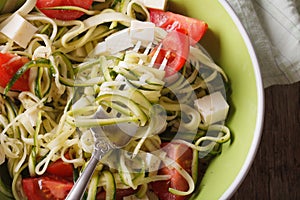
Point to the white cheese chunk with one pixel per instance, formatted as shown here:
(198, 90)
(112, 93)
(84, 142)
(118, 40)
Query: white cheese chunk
(142, 31)
(118, 41)
(156, 4)
(213, 108)
(19, 30)
(100, 48)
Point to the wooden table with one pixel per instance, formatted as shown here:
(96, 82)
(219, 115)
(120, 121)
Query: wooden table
(275, 173)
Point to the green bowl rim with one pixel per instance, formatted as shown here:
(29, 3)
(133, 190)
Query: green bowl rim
(260, 106)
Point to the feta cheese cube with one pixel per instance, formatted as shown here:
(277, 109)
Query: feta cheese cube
(100, 48)
(156, 4)
(19, 30)
(213, 108)
(142, 31)
(119, 41)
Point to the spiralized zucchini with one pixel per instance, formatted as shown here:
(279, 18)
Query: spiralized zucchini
(68, 84)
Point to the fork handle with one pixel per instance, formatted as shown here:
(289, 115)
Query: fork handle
(80, 186)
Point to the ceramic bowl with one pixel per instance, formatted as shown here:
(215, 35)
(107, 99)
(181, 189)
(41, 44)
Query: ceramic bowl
(229, 45)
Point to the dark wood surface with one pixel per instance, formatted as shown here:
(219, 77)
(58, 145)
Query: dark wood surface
(275, 173)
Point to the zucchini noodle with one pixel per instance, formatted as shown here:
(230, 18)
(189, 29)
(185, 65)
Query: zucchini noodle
(69, 82)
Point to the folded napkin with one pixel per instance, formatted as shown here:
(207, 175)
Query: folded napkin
(274, 29)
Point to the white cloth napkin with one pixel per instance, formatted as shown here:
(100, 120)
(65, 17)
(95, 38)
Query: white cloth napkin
(274, 29)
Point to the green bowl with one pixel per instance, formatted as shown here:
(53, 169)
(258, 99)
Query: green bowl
(227, 42)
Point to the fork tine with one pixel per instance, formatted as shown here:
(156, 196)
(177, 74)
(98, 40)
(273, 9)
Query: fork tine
(155, 55)
(137, 46)
(146, 52)
(148, 48)
(163, 64)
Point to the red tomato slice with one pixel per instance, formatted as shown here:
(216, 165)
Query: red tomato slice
(183, 155)
(61, 169)
(9, 65)
(46, 188)
(195, 28)
(42, 5)
(175, 47)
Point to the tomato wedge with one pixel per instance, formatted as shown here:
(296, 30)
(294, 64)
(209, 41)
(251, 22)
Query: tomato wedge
(45, 7)
(46, 188)
(183, 155)
(195, 28)
(61, 169)
(9, 65)
(175, 48)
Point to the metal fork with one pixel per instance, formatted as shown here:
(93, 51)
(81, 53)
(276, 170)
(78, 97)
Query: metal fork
(110, 136)
(106, 138)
